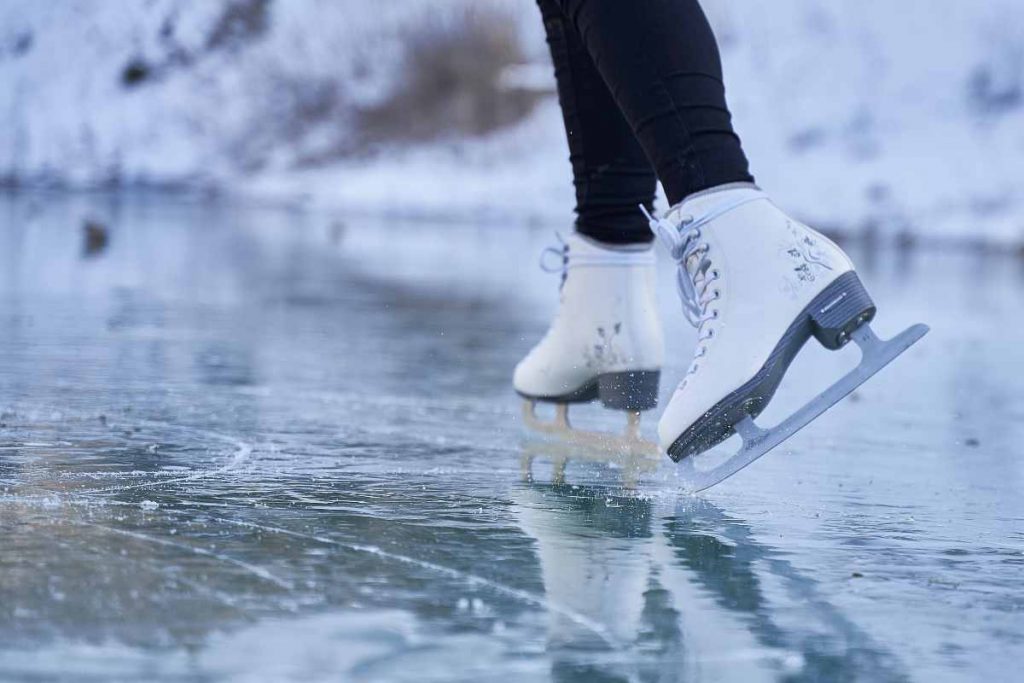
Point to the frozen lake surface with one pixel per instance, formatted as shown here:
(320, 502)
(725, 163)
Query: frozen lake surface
(257, 444)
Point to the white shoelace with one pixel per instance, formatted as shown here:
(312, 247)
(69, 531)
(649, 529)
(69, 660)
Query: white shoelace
(618, 258)
(694, 278)
(562, 253)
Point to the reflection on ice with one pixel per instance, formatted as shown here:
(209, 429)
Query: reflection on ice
(231, 448)
(686, 590)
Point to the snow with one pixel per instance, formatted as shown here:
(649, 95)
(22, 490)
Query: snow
(903, 118)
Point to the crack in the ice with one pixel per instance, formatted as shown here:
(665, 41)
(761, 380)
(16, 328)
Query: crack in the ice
(472, 579)
(243, 450)
(255, 570)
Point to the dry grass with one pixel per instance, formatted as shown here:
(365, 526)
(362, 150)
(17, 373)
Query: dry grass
(239, 23)
(451, 81)
(448, 86)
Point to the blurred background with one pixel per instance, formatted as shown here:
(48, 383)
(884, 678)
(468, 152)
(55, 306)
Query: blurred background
(898, 121)
(266, 267)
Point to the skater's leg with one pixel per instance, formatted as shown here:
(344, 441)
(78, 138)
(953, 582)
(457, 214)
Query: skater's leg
(605, 343)
(610, 169)
(756, 283)
(661, 63)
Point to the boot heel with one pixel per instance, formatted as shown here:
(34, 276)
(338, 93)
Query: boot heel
(839, 310)
(633, 390)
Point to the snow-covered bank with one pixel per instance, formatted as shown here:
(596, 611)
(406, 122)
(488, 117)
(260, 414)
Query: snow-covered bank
(94, 92)
(902, 119)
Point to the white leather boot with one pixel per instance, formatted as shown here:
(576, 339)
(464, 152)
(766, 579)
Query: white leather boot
(605, 341)
(757, 284)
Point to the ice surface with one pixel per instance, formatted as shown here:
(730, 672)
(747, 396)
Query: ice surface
(242, 443)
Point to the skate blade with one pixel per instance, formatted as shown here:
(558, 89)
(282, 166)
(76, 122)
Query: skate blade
(592, 445)
(875, 355)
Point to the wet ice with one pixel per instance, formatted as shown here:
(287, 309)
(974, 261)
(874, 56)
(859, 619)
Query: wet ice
(233, 448)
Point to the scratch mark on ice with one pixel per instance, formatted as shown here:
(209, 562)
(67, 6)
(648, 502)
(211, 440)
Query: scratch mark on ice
(472, 579)
(257, 571)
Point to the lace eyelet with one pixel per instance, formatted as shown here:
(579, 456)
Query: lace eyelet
(714, 273)
(718, 294)
(714, 314)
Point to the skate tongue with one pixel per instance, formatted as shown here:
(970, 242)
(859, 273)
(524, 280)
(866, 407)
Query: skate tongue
(698, 210)
(674, 232)
(668, 229)
(681, 222)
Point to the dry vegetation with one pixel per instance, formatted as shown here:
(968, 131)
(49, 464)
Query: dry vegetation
(447, 86)
(450, 81)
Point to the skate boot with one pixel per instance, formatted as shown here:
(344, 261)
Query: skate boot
(757, 285)
(605, 342)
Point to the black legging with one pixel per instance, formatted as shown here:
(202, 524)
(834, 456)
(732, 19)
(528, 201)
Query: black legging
(640, 84)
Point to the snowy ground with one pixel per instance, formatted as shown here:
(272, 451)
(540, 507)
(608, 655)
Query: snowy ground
(902, 120)
(239, 443)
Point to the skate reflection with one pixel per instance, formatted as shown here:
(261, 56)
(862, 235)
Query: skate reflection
(560, 442)
(628, 464)
(686, 595)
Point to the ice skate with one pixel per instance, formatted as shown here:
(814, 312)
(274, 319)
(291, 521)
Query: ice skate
(605, 344)
(757, 285)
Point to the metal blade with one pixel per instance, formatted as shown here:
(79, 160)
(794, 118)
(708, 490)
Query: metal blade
(875, 355)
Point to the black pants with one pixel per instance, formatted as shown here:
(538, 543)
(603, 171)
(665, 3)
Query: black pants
(640, 86)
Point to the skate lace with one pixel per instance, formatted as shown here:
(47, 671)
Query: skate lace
(561, 253)
(696, 273)
(563, 262)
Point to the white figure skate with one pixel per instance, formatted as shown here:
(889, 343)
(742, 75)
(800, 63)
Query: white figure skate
(605, 343)
(757, 285)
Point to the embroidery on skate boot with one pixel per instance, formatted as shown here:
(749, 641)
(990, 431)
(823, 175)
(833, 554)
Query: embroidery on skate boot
(801, 269)
(807, 259)
(604, 353)
(807, 248)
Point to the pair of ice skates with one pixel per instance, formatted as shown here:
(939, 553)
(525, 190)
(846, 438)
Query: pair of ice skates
(754, 282)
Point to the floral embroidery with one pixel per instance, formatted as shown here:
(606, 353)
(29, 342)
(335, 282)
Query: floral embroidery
(808, 259)
(603, 353)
